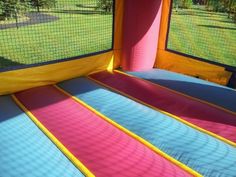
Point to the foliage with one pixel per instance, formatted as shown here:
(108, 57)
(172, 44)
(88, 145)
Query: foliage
(185, 4)
(11, 8)
(234, 13)
(215, 5)
(43, 4)
(226, 6)
(105, 5)
(199, 2)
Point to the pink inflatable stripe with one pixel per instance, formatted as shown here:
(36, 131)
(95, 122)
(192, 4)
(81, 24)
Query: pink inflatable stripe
(203, 115)
(101, 147)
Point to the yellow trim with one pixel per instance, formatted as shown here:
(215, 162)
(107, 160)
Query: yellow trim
(60, 146)
(118, 31)
(131, 134)
(170, 115)
(22, 79)
(186, 65)
(182, 94)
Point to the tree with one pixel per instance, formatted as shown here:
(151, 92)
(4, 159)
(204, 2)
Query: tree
(176, 4)
(226, 6)
(215, 5)
(231, 8)
(38, 4)
(185, 4)
(105, 5)
(199, 2)
(12, 8)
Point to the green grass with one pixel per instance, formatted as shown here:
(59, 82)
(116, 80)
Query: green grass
(79, 31)
(72, 3)
(208, 35)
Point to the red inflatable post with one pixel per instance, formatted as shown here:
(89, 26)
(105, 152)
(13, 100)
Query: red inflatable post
(141, 31)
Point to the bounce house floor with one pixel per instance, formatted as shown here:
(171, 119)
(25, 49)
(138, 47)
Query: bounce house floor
(120, 125)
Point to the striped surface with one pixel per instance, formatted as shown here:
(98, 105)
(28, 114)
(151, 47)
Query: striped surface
(207, 91)
(102, 148)
(205, 154)
(25, 151)
(205, 116)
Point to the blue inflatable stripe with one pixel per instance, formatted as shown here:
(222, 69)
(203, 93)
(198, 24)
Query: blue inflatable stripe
(25, 151)
(201, 152)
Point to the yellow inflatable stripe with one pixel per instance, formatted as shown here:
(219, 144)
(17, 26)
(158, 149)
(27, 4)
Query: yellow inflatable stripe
(60, 146)
(170, 115)
(182, 94)
(129, 133)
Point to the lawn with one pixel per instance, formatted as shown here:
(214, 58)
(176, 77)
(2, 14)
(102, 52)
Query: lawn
(203, 34)
(81, 29)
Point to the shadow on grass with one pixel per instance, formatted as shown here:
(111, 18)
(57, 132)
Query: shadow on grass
(226, 21)
(86, 6)
(82, 12)
(218, 27)
(211, 12)
(192, 14)
(202, 13)
(34, 19)
(5, 63)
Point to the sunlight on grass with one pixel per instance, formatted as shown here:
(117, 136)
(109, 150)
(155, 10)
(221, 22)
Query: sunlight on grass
(207, 35)
(77, 32)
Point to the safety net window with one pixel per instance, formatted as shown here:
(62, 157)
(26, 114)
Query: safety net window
(33, 32)
(204, 29)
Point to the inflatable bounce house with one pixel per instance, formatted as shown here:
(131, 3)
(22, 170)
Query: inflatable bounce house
(125, 88)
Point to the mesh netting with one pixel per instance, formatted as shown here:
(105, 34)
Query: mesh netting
(38, 31)
(204, 29)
